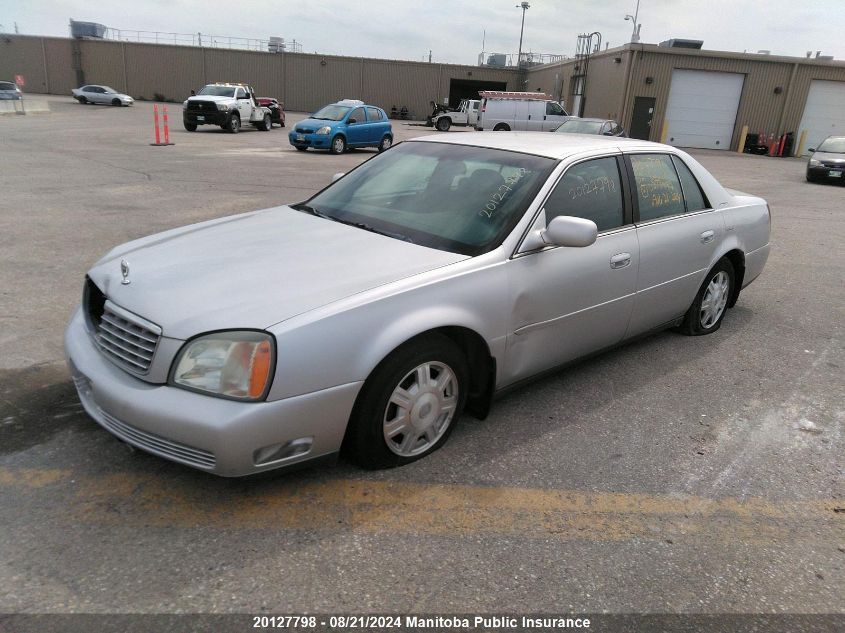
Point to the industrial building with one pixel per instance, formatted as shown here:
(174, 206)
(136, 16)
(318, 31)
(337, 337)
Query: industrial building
(684, 96)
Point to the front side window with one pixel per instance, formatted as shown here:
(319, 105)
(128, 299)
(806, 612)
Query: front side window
(240, 94)
(373, 114)
(658, 189)
(455, 198)
(554, 108)
(358, 115)
(590, 190)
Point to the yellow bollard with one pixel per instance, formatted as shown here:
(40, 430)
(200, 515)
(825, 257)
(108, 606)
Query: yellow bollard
(801, 140)
(664, 130)
(741, 146)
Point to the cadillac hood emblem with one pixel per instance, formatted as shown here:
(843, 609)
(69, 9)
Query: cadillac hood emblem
(124, 270)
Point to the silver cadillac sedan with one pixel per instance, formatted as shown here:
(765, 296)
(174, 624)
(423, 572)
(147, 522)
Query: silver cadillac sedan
(411, 290)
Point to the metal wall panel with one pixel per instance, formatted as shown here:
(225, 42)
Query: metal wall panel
(103, 63)
(23, 56)
(61, 78)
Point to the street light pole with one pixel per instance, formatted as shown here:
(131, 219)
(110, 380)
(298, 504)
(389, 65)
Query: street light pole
(524, 6)
(635, 35)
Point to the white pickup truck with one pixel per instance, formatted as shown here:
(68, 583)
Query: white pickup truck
(226, 105)
(466, 115)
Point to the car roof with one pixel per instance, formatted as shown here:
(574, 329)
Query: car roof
(594, 120)
(544, 143)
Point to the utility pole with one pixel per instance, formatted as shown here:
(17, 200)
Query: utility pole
(524, 7)
(429, 56)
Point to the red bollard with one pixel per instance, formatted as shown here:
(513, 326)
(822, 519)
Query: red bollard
(781, 145)
(166, 128)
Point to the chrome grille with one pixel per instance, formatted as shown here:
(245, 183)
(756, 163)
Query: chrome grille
(156, 444)
(127, 338)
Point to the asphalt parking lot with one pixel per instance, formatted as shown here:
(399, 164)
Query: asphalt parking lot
(673, 474)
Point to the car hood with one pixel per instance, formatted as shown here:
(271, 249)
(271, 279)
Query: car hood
(214, 98)
(254, 270)
(829, 157)
(317, 123)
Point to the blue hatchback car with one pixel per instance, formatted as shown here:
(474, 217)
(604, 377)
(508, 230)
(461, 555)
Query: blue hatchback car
(341, 125)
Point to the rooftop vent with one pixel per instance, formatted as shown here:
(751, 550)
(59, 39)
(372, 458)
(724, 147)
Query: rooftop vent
(679, 43)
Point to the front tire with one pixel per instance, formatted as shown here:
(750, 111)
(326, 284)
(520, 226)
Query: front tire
(115, 102)
(444, 123)
(234, 124)
(711, 303)
(338, 145)
(191, 127)
(299, 148)
(410, 404)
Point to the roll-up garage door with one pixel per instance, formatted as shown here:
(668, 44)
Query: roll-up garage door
(824, 112)
(702, 108)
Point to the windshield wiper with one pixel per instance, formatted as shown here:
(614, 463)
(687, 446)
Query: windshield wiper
(358, 225)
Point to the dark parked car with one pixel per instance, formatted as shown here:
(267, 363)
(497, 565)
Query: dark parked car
(606, 127)
(828, 161)
(277, 110)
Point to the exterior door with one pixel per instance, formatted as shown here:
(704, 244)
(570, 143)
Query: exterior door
(824, 112)
(356, 133)
(701, 109)
(678, 233)
(569, 302)
(244, 104)
(642, 116)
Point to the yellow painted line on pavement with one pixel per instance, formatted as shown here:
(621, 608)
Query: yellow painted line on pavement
(140, 500)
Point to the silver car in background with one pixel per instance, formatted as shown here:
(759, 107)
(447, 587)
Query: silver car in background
(410, 290)
(101, 94)
(10, 90)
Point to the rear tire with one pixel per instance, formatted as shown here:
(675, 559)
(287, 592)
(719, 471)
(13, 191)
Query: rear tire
(410, 404)
(338, 145)
(385, 143)
(234, 124)
(502, 127)
(444, 123)
(711, 303)
(82, 100)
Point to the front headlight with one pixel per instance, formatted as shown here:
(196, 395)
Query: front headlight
(815, 163)
(324, 130)
(185, 104)
(237, 365)
(223, 106)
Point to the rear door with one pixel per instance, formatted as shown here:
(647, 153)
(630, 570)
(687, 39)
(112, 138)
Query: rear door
(375, 125)
(678, 232)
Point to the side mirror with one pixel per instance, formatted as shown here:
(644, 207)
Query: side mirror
(563, 230)
(352, 120)
(812, 149)
(338, 176)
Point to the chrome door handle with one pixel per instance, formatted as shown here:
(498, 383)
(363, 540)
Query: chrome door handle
(620, 260)
(707, 237)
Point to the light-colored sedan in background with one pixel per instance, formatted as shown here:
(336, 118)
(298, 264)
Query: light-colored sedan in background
(410, 290)
(101, 94)
(10, 91)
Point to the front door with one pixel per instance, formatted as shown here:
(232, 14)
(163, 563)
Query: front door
(641, 119)
(569, 302)
(356, 131)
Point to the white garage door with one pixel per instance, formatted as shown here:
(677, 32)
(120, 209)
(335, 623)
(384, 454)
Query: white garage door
(824, 113)
(702, 108)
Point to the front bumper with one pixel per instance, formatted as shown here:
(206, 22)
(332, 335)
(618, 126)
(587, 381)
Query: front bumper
(317, 141)
(823, 172)
(212, 434)
(220, 117)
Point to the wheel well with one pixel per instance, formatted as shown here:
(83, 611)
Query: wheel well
(482, 366)
(737, 259)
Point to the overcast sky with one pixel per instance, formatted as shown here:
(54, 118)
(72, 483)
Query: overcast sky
(454, 30)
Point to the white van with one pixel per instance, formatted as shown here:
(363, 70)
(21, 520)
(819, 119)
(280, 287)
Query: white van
(533, 111)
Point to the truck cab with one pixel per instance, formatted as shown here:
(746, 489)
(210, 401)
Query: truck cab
(465, 115)
(229, 105)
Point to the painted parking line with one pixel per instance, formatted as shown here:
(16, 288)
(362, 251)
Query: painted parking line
(437, 509)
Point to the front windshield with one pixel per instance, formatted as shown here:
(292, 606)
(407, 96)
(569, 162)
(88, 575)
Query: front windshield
(331, 113)
(833, 146)
(217, 91)
(455, 198)
(573, 126)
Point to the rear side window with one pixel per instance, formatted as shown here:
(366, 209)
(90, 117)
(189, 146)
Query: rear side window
(692, 190)
(658, 189)
(590, 190)
(373, 114)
